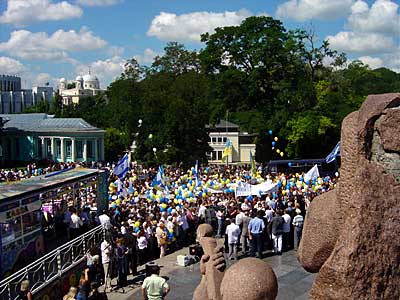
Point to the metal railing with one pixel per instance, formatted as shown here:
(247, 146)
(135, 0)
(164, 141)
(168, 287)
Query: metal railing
(53, 265)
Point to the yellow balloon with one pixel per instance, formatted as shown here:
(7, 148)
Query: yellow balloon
(278, 151)
(276, 139)
(118, 202)
(164, 205)
(150, 136)
(283, 192)
(136, 193)
(176, 201)
(204, 195)
(282, 154)
(137, 224)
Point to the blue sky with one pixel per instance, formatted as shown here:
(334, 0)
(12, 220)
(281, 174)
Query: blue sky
(44, 40)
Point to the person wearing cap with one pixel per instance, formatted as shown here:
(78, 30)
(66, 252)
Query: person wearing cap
(155, 287)
(298, 222)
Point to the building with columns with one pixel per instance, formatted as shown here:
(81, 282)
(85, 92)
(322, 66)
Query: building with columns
(242, 143)
(38, 136)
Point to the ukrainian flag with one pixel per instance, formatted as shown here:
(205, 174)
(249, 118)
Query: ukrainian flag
(227, 150)
(253, 164)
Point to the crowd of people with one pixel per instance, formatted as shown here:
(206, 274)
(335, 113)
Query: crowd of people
(153, 212)
(148, 218)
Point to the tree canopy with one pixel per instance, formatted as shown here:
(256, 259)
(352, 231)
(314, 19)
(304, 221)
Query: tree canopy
(268, 78)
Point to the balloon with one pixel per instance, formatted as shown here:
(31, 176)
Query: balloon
(169, 210)
(270, 132)
(278, 151)
(154, 149)
(164, 205)
(176, 201)
(290, 164)
(162, 209)
(137, 224)
(276, 139)
(140, 121)
(282, 154)
(150, 136)
(273, 144)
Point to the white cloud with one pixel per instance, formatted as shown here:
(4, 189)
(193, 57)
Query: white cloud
(147, 56)
(11, 66)
(189, 27)
(99, 2)
(106, 70)
(372, 62)
(382, 17)
(365, 43)
(25, 12)
(302, 10)
(41, 46)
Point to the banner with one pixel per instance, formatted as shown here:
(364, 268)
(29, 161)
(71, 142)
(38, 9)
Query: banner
(313, 173)
(246, 189)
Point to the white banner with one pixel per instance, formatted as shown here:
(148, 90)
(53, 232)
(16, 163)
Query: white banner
(313, 173)
(246, 189)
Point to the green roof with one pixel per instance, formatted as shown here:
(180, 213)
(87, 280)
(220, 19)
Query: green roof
(39, 122)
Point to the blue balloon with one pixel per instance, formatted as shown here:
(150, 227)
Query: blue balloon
(249, 197)
(270, 132)
(290, 164)
(169, 210)
(273, 144)
(137, 229)
(162, 209)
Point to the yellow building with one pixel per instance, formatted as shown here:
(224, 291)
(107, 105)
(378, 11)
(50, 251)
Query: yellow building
(85, 86)
(242, 143)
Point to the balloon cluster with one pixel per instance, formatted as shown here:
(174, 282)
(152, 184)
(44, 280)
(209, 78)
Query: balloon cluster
(275, 140)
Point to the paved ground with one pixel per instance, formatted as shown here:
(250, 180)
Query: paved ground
(294, 283)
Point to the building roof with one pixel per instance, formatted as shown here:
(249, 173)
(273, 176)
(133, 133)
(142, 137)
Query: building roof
(40, 122)
(223, 124)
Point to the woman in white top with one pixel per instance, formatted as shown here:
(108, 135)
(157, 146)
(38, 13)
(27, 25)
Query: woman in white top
(142, 247)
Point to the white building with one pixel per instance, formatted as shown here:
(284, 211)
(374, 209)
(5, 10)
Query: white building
(14, 99)
(85, 86)
(242, 143)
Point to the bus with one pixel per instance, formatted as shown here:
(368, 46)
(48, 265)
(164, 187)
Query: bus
(303, 165)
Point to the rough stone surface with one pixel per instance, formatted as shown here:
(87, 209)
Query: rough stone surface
(321, 231)
(250, 279)
(364, 262)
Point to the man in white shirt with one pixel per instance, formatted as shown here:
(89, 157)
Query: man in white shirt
(106, 251)
(233, 233)
(75, 224)
(286, 230)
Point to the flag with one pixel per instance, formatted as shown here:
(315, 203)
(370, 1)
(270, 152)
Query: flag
(313, 173)
(121, 190)
(159, 180)
(196, 172)
(335, 152)
(253, 164)
(227, 150)
(130, 189)
(122, 167)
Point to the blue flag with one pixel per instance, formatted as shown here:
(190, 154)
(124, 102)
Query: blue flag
(159, 180)
(122, 167)
(335, 152)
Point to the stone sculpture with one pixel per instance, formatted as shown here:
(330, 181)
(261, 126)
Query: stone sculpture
(250, 278)
(351, 235)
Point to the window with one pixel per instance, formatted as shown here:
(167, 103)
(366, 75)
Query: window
(224, 139)
(219, 155)
(58, 148)
(89, 148)
(79, 149)
(68, 145)
(214, 140)
(220, 140)
(210, 139)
